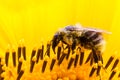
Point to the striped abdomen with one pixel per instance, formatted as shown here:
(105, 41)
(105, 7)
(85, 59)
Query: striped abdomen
(91, 39)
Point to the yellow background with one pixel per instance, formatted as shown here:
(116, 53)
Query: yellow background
(33, 20)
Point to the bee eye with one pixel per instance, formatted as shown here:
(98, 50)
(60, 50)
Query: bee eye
(55, 35)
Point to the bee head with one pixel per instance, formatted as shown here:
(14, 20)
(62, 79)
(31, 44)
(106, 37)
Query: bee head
(56, 39)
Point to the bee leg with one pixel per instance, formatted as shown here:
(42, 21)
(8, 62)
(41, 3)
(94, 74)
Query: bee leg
(100, 58)
(55, 42)
(95, 56)
(92, 59)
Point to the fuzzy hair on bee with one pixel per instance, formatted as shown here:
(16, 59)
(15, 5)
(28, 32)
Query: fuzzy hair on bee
(89, 38)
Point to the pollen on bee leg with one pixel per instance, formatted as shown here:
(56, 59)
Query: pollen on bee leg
(32, 64)
(115, 64)
(71, 61)
(64, 53)
(14, 57)
(52, 63)
(109, 62)
(95, 66)
(113, 73)
(19, 65)
(44, 64)
(20, 74)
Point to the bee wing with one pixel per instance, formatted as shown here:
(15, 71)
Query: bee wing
(96, 30)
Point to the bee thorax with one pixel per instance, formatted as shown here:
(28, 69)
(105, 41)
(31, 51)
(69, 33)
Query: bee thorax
(68, 40)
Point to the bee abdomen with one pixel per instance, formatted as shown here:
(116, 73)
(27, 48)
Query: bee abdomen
(98, 40)
(95, 37)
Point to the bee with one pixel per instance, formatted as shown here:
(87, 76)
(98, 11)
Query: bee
(89, 38)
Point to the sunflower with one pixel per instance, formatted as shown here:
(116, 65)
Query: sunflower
(28, 26)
